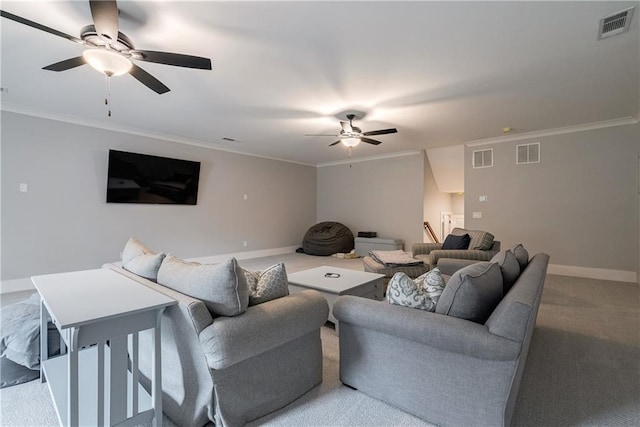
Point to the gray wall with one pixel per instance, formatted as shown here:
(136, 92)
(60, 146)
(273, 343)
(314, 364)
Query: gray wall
(383, 195)
(578, 204)
(63, 222)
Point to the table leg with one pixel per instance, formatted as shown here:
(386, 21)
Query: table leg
(156, 386)
(118, 372)
(44, 345)
(72, 379)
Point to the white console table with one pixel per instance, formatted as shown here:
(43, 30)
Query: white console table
(98, 313)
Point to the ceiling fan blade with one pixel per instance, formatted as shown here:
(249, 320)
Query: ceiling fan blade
(105, 18)
(67, 64)
(380, 132)
(319, 134)
(41, 27)
(370, 141)
(176, 59)
(334, 143)
(148, 80)
(346, 126)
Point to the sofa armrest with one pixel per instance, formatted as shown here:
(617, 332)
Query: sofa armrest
(424, 248)
(476, 255)
(449, 266)
(435, 330)
(262, 327)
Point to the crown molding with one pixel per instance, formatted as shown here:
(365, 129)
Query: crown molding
(370, 158)
(28, 111)
(623, 121)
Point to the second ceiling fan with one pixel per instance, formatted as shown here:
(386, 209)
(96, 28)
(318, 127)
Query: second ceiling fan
(351, 135)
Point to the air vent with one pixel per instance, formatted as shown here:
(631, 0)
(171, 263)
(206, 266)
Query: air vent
(483, 158)
(615, 24)
(528, 153)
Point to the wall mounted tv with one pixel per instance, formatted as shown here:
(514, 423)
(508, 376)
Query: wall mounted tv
(141, 178)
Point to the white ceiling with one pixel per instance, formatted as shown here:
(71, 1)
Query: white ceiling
(442, 73)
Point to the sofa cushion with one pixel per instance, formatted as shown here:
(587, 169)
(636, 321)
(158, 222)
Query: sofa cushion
(509, 268)
(421, 293)
(266, 285)
(222, 287)
(479, 239)
(140, 260)
(457, 242)
(522, 255)
(472, 293)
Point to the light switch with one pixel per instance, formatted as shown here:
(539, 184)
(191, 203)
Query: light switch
(244, 197)
(24, 188)
(483, 198)
(477, 214)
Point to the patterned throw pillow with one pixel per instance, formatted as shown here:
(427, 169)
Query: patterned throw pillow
(267, 285)
(140, 260)
(421, 293)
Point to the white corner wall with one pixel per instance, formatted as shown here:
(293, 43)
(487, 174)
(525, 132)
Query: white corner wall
(382, 195)
(63, 222)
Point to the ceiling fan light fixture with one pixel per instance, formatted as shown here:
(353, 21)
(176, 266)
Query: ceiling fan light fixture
(351, 141)
(107, 62)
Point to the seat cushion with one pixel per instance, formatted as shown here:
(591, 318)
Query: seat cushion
(472, 293)
(222, 287)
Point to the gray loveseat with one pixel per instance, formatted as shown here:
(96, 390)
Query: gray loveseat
(482, 247)
(232, 370)
(441, 368)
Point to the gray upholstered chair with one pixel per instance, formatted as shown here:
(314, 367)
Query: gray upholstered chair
(481, 248)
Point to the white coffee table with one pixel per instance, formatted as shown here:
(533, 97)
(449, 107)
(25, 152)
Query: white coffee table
(96, 313)
(332, 282)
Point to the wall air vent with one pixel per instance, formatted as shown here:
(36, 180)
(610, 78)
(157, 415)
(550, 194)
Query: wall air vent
(528, 153)
(615, 24)
(483, 158)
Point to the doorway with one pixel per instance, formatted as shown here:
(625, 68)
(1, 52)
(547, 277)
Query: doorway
(449, 221)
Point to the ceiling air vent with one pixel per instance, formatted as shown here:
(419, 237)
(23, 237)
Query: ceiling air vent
(615, 24)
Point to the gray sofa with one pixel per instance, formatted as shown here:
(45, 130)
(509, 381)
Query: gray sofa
(481, 248)
(232, 370)
(444, 369)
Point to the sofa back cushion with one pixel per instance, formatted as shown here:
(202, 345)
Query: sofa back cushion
(509, 268)
(479, 239)
(222, 287)
(140, 260)
(472, 293)
(522, 255)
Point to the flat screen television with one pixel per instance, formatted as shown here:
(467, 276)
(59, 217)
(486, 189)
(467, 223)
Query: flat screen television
(142, 178)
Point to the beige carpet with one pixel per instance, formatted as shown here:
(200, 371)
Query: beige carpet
(583, 367)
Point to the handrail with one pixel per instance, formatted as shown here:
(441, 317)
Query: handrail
(430, 232)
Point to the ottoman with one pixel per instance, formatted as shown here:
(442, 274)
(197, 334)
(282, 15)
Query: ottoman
(373, 266)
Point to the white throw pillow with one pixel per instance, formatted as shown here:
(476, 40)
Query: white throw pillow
(140, 260)
(421, 293)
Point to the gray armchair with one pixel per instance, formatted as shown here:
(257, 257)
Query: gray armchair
(481, 248)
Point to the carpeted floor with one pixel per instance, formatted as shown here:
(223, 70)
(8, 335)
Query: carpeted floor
(583, 367)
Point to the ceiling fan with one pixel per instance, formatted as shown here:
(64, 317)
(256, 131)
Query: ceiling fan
(109, 51)
(351, 135)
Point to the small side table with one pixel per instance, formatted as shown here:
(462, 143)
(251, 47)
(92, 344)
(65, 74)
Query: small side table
(98, 312)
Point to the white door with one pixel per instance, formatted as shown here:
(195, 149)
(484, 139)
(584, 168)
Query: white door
(450, 221)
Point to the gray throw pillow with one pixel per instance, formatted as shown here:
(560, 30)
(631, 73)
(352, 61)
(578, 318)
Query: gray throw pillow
(140, 260)
(472, 293)
(522, 255)
(267, 285)
(221, 287)
(421, 293)
(509, 267)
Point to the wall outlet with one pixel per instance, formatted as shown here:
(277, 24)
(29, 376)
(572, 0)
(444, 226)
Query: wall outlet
(477, 214)
(24, 188)
(245, 244)
(244, 197)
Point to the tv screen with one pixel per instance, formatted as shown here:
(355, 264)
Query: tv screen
(141, 178)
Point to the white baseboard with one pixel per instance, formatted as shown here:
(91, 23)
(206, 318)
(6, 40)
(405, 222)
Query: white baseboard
(593, 273)
(16, 285)
(245, 255)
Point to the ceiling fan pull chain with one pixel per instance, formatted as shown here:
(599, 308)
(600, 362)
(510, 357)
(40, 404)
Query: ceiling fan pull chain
(107, 99)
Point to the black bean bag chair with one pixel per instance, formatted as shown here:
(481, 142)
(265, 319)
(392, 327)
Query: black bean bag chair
(327, 238)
